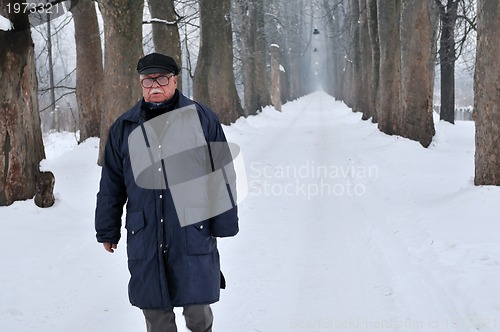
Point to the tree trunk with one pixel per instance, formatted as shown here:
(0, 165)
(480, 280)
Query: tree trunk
(487, 94)
(355, 86)
(89, 69)
(54, 111)
(294, 48)
(371, 7)
(21, 145)
(214, 77)
(388, 112)
(417, 66)
(448, 17)
(336, 53)
(123, 40)
(275, 77)
(275, 34)
(166, 36)
(365, 101)
(352, 76)
(254, 55)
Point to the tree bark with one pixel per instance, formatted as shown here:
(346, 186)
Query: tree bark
(54, 110)
(371, 7)
(254, 55)
(275, 77)
(214, 77)
(89, 69)
(365, 101)
(352, 76)
(21, 145)
(294, 56)
(336, 54)
(417, 65)
(448, 17)
(487, 94)
(123, 40)
(166, 37)
(388, 112)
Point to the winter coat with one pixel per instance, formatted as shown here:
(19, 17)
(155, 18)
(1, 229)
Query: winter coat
(169, 265)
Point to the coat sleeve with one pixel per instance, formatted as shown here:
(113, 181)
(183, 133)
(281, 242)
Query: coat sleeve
(112, 192)
(224, 224)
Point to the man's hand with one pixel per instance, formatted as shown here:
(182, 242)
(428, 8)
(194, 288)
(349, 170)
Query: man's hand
(109, 247)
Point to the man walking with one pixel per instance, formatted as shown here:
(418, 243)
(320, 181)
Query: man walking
(172, 262)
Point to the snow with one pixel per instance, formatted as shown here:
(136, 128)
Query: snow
(158, 20)
(5, 24)
(344, 228)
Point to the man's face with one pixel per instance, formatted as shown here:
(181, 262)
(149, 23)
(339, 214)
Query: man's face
(159, 91)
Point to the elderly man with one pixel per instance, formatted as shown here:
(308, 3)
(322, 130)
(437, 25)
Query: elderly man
(171, 264)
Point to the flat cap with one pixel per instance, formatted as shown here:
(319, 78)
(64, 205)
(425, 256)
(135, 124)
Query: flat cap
(157, 63)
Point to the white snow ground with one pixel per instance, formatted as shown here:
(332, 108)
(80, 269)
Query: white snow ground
(344, 229)
(5, 24)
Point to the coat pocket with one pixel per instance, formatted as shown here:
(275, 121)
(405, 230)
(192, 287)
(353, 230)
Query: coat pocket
(199, 239)
(135, 235)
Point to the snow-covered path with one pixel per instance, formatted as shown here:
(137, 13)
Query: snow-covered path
(337, 242)
(343, 229)
(307, 252)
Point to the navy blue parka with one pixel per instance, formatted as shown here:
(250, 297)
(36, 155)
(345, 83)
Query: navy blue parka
(169, 265)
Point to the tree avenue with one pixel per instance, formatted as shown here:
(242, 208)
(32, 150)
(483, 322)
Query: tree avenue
(237, 56)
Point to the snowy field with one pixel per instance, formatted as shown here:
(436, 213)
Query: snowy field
(343, 229)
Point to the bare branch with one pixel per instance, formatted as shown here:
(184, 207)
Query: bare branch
(60, 97)
(472, 22)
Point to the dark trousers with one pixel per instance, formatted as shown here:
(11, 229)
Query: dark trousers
(199, 318)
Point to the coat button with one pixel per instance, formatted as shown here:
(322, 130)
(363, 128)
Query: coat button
(201, 227)
(161, 196)
(133, 232)
(161, 220)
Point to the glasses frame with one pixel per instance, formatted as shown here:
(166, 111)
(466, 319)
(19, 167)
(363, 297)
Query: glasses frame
(155, 79)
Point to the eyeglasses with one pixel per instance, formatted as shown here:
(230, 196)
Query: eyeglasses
(148, 82)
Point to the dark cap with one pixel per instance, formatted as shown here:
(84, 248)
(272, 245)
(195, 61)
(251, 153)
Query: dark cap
(157, 63)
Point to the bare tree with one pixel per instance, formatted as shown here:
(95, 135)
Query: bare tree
(123, 40)
(298, 36)
(56, 124)
(388, 96)
(89, 68)
(275, 28)
(21, 145)
(251, 17)
(417, 65)
(487, 94)
(188, 23)
(166, 36)
(56, 80)
(366, 99)
(336, 34)
(352, 79)
(371, 13)
(214, 78)
(450, 45)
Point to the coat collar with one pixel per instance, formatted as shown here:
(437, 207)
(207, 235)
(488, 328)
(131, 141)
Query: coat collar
(135, 113)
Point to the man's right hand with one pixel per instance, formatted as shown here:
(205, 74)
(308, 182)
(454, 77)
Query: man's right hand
(110, 247)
